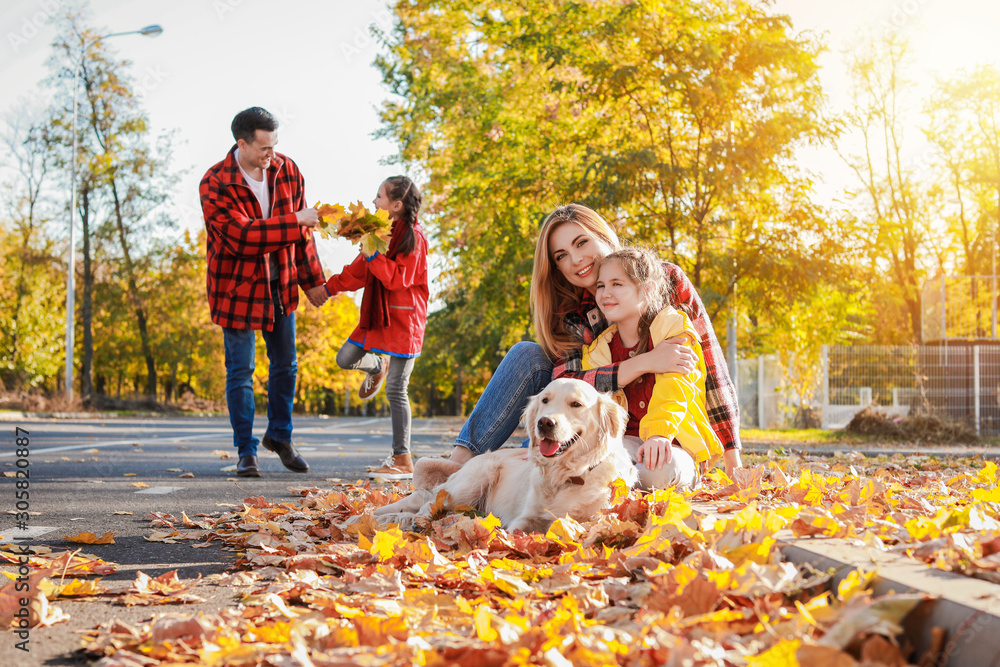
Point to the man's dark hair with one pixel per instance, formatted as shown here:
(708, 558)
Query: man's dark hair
(247, 122)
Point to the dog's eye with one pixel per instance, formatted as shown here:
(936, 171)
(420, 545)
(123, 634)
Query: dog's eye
(576, 404)
(545, 401)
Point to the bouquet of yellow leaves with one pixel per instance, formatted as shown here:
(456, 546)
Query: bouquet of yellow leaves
(356, 223)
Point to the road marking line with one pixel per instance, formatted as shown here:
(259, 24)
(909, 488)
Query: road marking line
(119, 443)
(11, 534)
(363, 422)
(160, 490)
(156, 441)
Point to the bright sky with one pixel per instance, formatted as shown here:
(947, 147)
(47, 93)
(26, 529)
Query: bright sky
(944, 35)
(310, 63)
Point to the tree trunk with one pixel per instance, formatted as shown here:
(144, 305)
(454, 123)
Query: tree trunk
(133, 294)
(171, 393)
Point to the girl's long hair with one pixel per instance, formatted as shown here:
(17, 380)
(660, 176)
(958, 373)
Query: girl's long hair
(401, 188)
(645, 270)
(551, 295)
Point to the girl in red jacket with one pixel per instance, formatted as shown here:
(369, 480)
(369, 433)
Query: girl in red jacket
(393, 316)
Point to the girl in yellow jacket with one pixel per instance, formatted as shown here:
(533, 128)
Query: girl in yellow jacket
(668, 432)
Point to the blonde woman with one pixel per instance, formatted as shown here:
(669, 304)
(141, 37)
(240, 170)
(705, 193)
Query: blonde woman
(572, 241)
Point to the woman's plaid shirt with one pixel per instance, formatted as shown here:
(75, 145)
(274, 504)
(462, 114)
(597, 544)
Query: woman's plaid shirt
(587, 322)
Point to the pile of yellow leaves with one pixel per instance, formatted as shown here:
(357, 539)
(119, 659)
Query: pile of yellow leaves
(658, 578)
(356, 223)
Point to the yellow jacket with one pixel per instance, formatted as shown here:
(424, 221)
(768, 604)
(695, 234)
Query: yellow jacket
(677, 407)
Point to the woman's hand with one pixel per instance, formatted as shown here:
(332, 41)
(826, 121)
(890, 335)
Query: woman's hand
(670, 356)
(654, 453)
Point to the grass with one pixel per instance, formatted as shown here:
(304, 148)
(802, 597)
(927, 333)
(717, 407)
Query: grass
(803, 436)
(817, 436)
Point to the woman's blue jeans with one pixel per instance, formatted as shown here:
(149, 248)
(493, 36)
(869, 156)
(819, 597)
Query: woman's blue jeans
(524, 371)
(282, 371)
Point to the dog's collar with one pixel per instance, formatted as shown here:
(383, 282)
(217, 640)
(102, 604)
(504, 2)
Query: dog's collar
(578, 479)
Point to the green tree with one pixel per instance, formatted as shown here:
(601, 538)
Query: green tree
(187, 345)
(124, 175)
(30, 264)
(677, 120)
(963, 125)
(895, 232)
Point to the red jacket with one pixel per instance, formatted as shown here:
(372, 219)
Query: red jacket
(239, 238)
(405, 280)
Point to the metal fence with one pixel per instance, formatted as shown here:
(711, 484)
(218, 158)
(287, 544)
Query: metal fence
(955, 381)
(959, 308)
(765, 399)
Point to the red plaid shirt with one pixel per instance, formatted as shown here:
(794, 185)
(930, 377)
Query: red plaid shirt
(240, 238)
(587, 322)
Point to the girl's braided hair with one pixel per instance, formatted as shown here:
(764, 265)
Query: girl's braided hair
(401, 188)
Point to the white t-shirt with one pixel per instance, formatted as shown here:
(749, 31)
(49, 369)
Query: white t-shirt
(259, 189)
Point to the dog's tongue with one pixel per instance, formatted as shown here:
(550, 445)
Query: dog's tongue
(548, 447)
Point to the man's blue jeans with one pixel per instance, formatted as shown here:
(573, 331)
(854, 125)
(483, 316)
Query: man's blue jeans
(524, 371)
(240, 348)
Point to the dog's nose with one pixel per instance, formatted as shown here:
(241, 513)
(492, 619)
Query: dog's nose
(546, 423)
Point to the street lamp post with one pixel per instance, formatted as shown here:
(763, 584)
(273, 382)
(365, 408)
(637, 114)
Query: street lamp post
(148, 31)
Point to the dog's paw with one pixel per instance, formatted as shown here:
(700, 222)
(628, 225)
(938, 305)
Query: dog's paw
(428, 472)
(530, 524)
(405, 520)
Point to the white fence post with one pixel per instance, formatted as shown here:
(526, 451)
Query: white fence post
(826, 386)
(975, 384)
(944, 313)
(760, 392)
(865, 396)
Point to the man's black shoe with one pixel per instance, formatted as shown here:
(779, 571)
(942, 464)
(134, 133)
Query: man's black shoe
(247, 467)
(286, 452)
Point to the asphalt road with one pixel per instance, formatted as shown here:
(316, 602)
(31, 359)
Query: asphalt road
(83, 471)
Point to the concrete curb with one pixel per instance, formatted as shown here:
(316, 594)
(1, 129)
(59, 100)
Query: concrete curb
(966, 607)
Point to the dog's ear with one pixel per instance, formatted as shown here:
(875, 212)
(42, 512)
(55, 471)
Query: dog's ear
(614, 418)
(530, 417)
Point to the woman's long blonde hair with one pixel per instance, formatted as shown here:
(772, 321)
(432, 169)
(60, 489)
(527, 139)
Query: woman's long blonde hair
(552, 297)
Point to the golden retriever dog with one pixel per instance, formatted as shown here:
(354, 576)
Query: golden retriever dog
(575, 452)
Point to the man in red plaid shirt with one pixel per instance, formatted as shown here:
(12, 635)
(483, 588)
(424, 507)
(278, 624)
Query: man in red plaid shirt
(260, 251)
